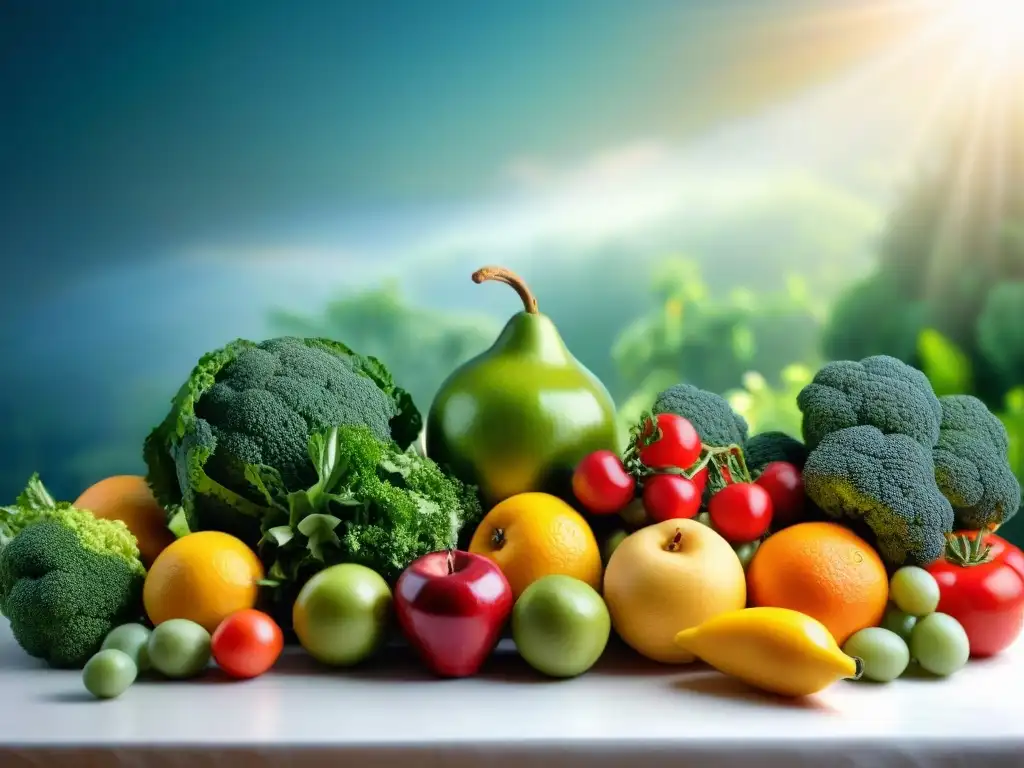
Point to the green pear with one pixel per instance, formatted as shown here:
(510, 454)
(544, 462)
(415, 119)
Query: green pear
(519, 417)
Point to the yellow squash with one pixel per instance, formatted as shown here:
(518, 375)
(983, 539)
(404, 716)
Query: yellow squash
(774, 649)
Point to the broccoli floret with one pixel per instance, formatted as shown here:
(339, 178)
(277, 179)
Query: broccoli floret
(257, 404)
(860, 475)
(761, 450)
(66, 580)
(878, 391)
(371, 504)
(971, 465)
(711, 415)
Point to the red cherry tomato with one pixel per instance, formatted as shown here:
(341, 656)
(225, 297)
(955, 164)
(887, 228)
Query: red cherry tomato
(701, 479)
(678, 446)
(246, 644)
(670, 497)
(785, 485)
(602, 484)
(987, 598)
(741, 512)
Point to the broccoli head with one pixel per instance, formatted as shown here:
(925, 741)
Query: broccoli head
(761, 450)
(711, 415)
(66, 580)
(971, 465)
(886, 482)
(878, 391)
(257, 404)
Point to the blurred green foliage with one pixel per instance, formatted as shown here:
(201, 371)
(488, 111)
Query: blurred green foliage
(420, 347)
(711, 341)
(742, 343)
(951, 261)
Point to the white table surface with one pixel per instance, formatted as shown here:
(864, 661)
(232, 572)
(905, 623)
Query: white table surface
(393, 713)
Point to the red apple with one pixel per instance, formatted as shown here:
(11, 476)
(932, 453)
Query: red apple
(452, 607)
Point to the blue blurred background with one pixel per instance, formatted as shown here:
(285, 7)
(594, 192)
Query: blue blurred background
(725, 192)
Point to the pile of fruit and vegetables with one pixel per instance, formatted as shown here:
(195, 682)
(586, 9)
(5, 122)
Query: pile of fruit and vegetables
(289, 499)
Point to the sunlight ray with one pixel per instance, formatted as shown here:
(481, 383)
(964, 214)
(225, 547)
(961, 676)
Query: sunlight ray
(963, 194)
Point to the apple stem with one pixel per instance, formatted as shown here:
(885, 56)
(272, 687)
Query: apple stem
(510, 278)
(498, 538)
(676, 541)
(451, 561)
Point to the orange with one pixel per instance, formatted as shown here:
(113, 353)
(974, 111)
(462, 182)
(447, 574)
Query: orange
(531, 535)
(822, 570)
(203, 577)
(128, 498)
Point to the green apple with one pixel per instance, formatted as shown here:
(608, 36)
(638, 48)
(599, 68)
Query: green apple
(560, 626)
(342, 614)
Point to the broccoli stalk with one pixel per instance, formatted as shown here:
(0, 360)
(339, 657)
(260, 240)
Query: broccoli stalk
(371, 504)
(862, 476)
(257, 404)
(971, 464)
(66, 579)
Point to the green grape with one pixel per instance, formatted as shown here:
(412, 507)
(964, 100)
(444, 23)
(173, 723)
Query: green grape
(132, 639)
(746, 552)
(898, 621)
(704, 519)
(179, 648)
(109, 673)
(884, 654)
(939, 644)
(914, 591)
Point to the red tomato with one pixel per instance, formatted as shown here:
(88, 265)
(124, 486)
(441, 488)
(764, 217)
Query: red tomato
(986, 597)
(670, 497)
(785, 485)
(246, 644)
(701, 480)
(741, 512)
(678, 446)
(602, 484)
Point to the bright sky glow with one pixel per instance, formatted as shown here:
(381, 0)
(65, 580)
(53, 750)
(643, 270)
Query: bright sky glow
(996, 26)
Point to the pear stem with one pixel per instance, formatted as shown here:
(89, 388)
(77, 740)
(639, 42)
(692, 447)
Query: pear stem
(508, 277)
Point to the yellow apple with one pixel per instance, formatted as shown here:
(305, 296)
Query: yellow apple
(668, 577)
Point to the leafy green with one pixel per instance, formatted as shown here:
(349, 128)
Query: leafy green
(32, 504)
(371, 504)
(944, 363)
